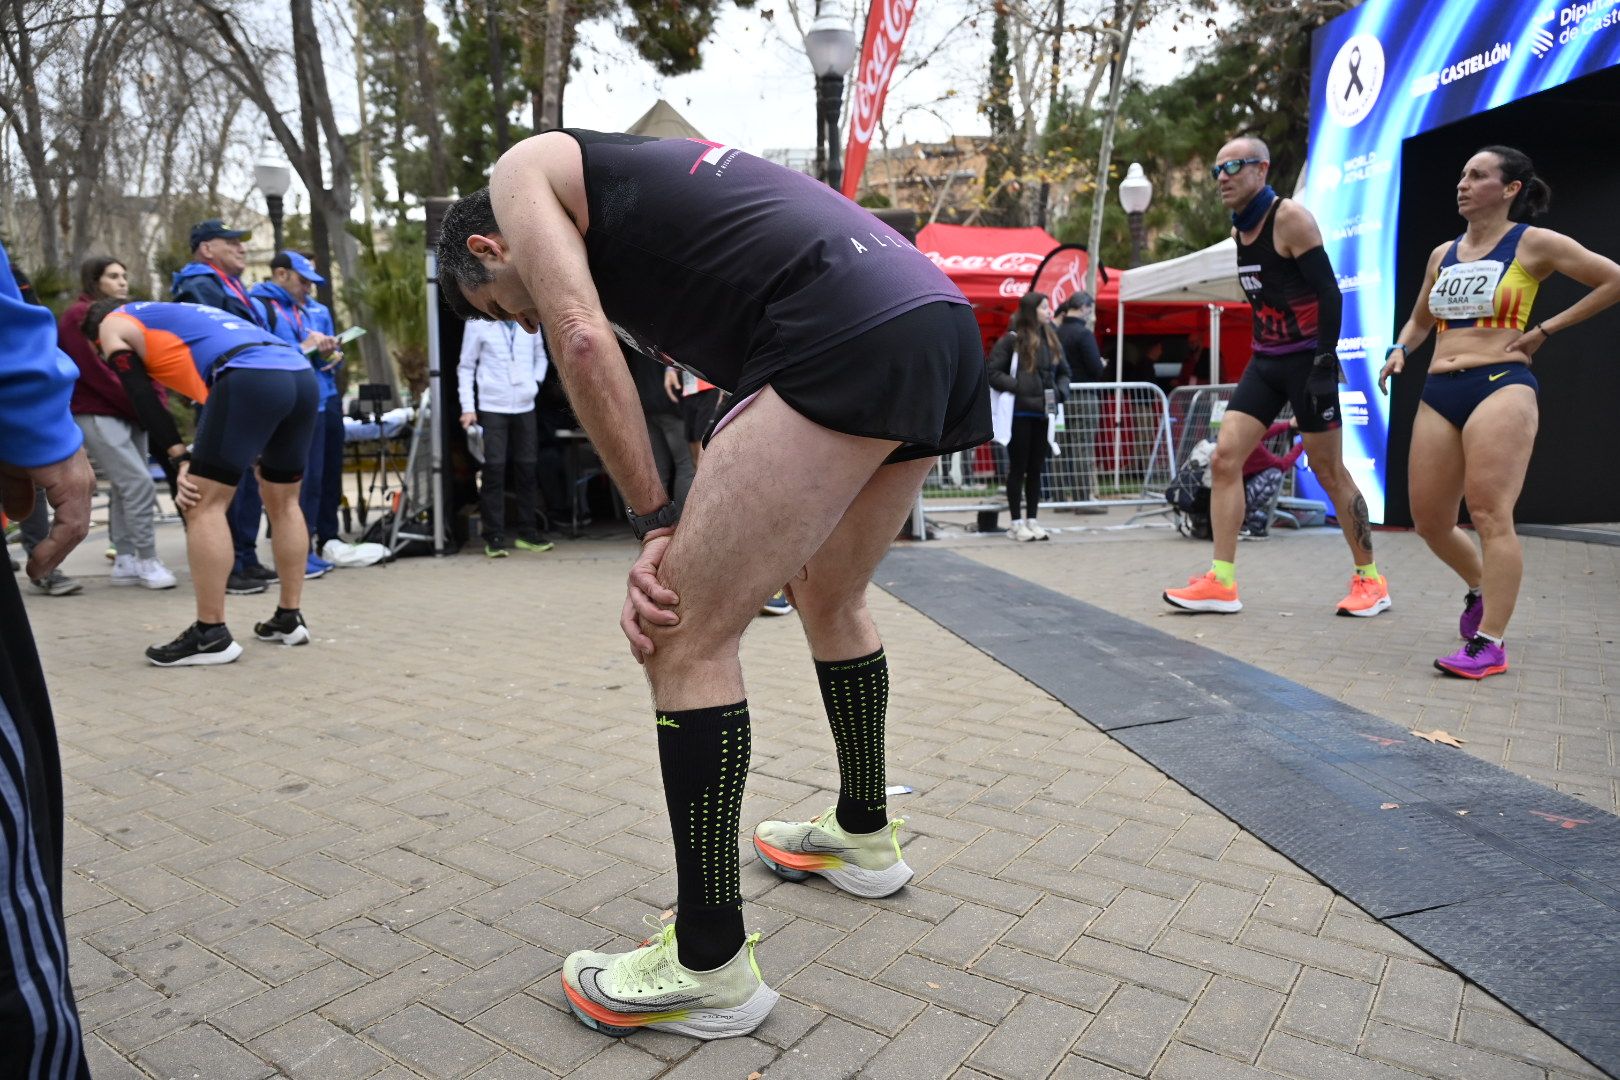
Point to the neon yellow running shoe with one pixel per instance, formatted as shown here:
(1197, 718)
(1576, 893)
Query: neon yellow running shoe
(863, 864)
(617, 993)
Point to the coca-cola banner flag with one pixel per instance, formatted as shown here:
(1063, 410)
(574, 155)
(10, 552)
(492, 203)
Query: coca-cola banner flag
(886, 30)
(1063, 273)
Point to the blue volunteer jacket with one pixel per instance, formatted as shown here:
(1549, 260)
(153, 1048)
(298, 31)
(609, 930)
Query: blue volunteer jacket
(36, 382)
(199, 283)
(294, 323)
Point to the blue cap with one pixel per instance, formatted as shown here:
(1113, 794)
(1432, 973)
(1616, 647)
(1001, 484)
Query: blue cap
(294, 261)
(215, 229)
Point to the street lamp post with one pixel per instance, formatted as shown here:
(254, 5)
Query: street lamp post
(1135, 192)
(274, 178)
(831, 45)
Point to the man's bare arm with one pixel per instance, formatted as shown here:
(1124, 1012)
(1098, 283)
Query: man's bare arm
(1296, 231)
(549, 254)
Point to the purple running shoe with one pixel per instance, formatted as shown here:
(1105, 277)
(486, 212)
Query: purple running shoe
(1473, 611)
(1475, 660)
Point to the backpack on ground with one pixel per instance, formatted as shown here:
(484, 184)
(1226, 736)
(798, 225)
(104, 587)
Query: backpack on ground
(1188, 494)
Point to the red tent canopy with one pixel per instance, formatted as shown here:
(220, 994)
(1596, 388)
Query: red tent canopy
(993, 268)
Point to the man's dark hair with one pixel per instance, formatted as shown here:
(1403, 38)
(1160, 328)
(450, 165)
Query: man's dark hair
(90, 272)
(459, 268)
(1535, 196)
(99, 311)
(1074, 302)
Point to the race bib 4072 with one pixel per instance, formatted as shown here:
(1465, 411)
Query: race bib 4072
(1466, 290)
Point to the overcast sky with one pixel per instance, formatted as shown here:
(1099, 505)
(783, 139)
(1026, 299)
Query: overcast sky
(756, 91)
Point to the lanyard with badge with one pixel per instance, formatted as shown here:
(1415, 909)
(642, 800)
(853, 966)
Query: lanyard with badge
(513, 376)
(235, 287)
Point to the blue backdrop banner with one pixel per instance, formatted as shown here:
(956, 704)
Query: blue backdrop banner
(1380, 74)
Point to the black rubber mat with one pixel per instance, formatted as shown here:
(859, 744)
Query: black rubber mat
(1514, 885)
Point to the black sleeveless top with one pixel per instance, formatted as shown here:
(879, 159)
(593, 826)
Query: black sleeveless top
(714, 260)
(1283, 301)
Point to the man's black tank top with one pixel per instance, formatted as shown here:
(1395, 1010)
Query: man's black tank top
(1283, 301)
(714, 260)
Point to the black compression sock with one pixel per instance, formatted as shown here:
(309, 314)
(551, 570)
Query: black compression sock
(703, 754)
(856, 694)
(280, 611)
(209, 625)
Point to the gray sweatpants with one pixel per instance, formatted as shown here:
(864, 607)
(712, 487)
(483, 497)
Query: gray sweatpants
(672, 454)
(117, 448)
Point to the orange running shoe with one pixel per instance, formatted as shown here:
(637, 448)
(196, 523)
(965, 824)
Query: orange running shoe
(1368, 596)
(1205, 594)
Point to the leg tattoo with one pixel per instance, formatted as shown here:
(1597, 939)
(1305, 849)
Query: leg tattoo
(1359, 521)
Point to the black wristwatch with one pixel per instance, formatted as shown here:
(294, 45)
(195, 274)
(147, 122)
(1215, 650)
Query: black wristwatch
(662, 518)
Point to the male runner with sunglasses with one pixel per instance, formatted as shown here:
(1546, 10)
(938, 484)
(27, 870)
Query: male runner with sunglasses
(1297, 307)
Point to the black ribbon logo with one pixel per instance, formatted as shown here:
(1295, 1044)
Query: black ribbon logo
(1354, 86)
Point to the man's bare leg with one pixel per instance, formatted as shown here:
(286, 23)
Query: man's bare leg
(830, 592)
(1326, 450)
(1240, 434)
(853, 673)
(1216, 590)
(209, 551)
(289, 539)
(772, 489)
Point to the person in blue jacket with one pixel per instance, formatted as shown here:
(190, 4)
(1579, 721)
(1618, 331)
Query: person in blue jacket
(304, 321)
(40, 446)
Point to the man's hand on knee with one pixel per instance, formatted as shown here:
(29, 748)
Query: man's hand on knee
(648, 601)
(67, 486)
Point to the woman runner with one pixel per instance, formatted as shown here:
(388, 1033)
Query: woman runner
(1477, 422)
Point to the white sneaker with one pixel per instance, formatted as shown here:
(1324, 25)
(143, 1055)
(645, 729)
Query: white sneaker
(1020, 532)
(152, 573)
(1037, 532)
(126, 570)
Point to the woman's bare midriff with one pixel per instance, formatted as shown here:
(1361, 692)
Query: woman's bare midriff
(1471, 347)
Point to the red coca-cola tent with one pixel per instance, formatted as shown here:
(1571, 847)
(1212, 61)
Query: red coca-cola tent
(994, 267)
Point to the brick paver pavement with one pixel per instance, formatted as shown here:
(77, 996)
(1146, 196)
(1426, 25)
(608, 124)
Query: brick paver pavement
(366, 858)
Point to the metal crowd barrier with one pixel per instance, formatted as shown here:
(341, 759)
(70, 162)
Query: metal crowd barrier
(1192, 408)
(1113, 449)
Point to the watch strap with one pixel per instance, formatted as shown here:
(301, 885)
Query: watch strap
(662, 518)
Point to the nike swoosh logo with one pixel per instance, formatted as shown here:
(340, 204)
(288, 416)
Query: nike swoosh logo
(819, 847)
(593, 990)
(1493, 378)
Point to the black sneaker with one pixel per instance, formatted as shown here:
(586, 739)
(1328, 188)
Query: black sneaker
(286, 627)
(242, 585)
(261, 573)
(56, 583)
(196, 646)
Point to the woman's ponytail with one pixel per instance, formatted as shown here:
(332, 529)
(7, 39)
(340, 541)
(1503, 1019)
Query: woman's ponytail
(1534, 196)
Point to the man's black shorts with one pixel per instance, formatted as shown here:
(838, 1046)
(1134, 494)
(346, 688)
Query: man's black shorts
(1270, 382)
(918, 379)
(256, 414)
